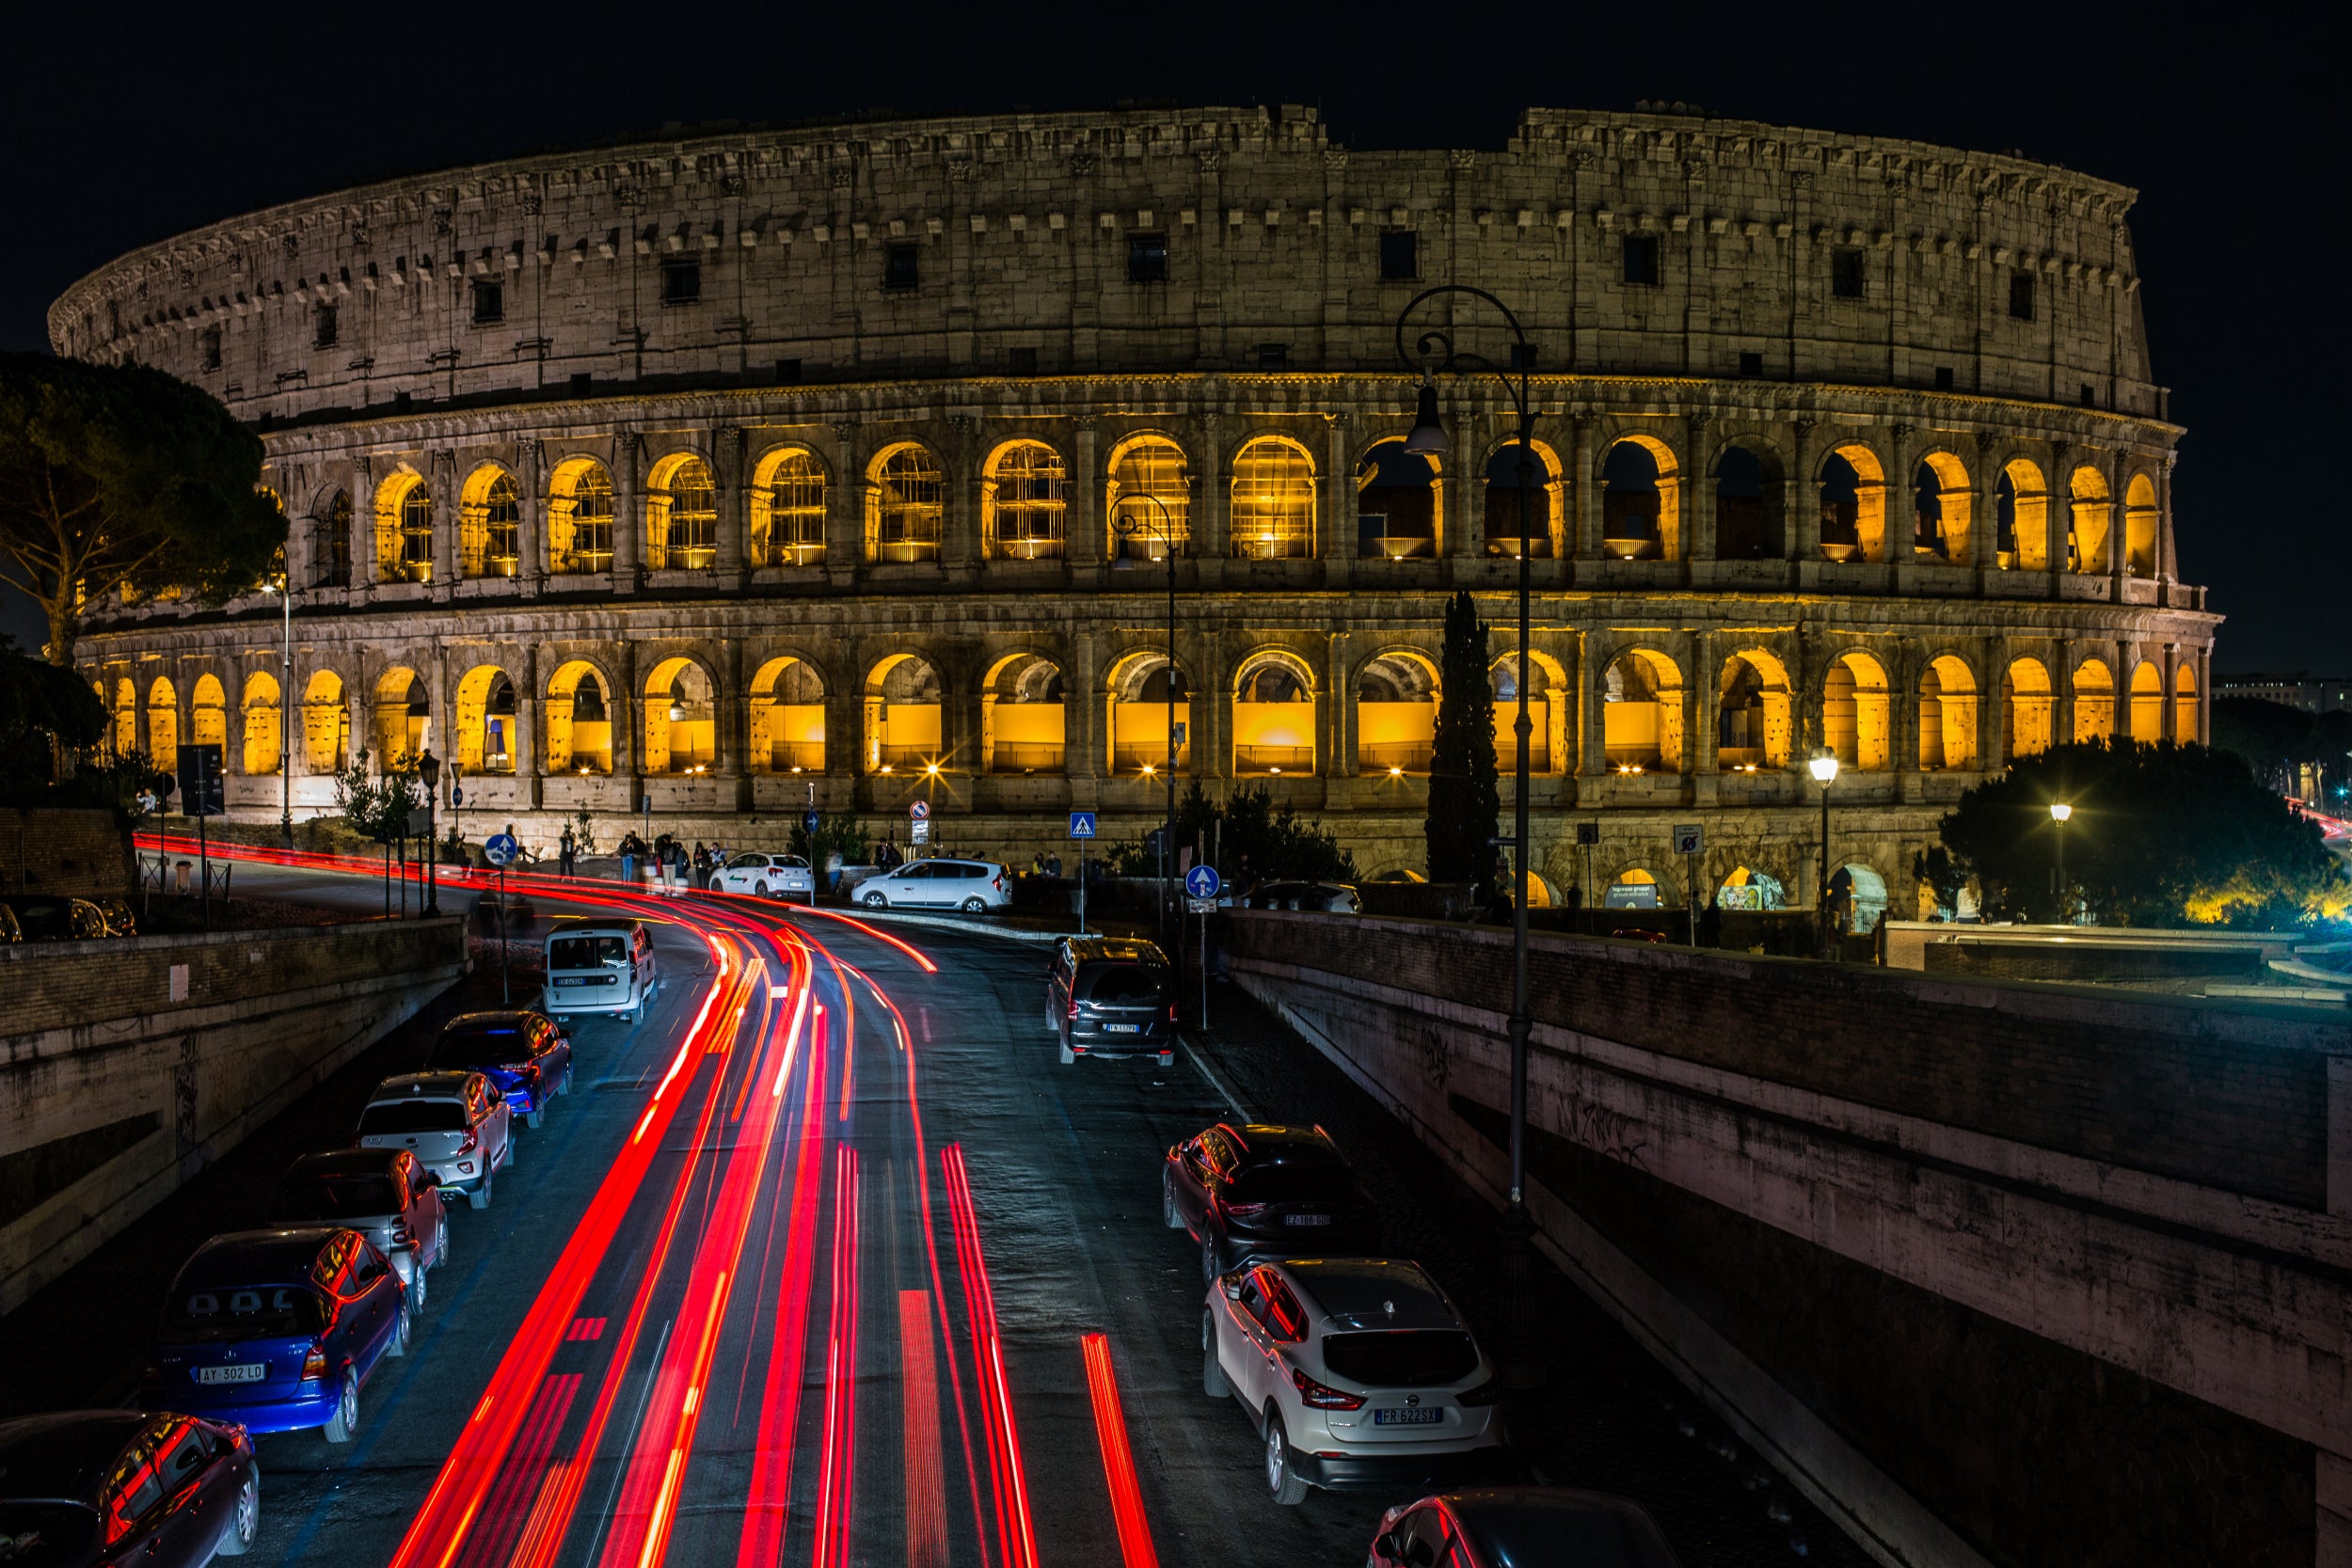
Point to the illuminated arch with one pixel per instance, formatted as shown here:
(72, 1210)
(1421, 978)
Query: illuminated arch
(1947, 715)
(330, 541)
(1751, 501)
(1754, 727)
(903, 716)
(1547, 712)
(1642, 712)
(580, 518)
(489, 524)
(163, 723)
(1942, 509)
(1396, 712)
(2094, 701)
(1857, 716)
(1137, 696)
(1640, 501)
(264, 720)
(1272, 516)
(1275, 715)
(208, 713)
(788, 493)
(906, 499)
(1399, 501)
(2186, 708)
(577, 715)
(1854, 503)
(2028, 706)
(1148, 464)
(403, 719)
(2021, 505)
(326, 724)
(1858, 895)
(1540, 539)
(2147, 702)
(680, 733)
(486, 737)
(681, 514)
(404, 529)
(1022, 716)
(126, 718)
(2090, 521)
(2139, 527)
(1025, 503)
(788, 717)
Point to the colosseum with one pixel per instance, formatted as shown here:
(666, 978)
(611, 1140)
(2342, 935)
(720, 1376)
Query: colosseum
(850, 464)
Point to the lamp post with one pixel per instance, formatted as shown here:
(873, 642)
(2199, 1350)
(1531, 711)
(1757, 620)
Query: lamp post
(429, 770)
(283, 588)
(2060, 811)
(1165, 531)
(1824, 767)
(1433, 354)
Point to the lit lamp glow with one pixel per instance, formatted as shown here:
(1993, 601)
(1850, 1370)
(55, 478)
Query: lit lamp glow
(1823, 765)
(2060, 811)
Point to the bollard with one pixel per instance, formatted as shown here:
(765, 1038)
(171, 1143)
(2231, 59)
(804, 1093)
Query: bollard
(185, 867)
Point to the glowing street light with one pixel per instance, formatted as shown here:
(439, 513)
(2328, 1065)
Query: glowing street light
(2060, 811)
(1823, 765)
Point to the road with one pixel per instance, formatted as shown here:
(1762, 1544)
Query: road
(806, 1269)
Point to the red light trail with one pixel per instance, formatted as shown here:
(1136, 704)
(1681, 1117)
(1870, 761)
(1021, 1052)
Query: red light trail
(1118, 1461)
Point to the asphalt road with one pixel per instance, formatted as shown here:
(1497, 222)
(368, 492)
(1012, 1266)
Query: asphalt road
(803, 1269)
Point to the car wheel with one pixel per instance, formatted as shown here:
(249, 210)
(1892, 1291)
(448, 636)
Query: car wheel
(875, 901)
(565, 1086)
(1170, 1214)
(341, 1425)
(401, 1328)
(1280, 1480)
(759, 889)
(418, 1290)
(1209, 1271)
(245, 1520)
(479, 1196)
(976, 906)
(531, 1119)
(629, 1017)
(1212, 1375)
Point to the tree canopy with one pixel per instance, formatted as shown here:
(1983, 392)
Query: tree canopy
(2159, 836)
(1248, 837)
(46, 714)
(2274, 736)
(121, 476)
(1464, 801)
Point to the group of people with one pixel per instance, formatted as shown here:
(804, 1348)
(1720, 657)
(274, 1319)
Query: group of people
(675, 867)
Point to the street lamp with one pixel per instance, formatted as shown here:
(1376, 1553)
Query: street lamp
(1824, 766)
(1432, 355)
(283, 588)
(2060, 811)
(1165, 531)
(429, 770)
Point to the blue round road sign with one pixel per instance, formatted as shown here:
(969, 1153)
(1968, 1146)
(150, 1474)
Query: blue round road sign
(808, 821)
(499, 849)
(1202, 881)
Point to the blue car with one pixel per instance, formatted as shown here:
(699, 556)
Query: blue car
(526, 1057)
(276, 1330)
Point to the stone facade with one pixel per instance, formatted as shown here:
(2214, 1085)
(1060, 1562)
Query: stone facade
(850, 447)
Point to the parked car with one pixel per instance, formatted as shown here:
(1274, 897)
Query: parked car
(1258, 1191)
(454, 1123)
(10, 930)
(279, 1330)
(975, 887)
(384, 1194)
(766, 877)
(522, 915)
(1520, 1526)
(598, 966)
(54, 917)
(1359, 1373)
(1112, 996)
(1328, 898)
(121, 921)
(124, 1486)
(526, 1055)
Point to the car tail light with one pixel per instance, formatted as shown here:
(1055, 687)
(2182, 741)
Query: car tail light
(314, 1364)
(1171, 1012)
(1244, 1209)
(1074, 1006)
(1321, 1397)
(1488, 1392)
(401, 1235)
(999, 883)
(473, 1141)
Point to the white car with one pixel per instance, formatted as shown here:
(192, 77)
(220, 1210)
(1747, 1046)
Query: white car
(766, 876)
(975, 887)
(1359, 1373)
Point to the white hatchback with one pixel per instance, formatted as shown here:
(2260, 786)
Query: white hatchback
(1359, 1373)
(975, 887)
(762, 876)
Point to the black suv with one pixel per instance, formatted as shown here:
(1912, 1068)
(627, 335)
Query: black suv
(1112, 996)
(1261, 1191)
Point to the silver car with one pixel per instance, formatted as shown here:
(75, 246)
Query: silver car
(764, 876)
(455, 1124)
(385, 1194)
(1359, 1373)
(598, 966)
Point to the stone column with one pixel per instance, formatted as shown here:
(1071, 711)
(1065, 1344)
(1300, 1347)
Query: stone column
(532, 544)
(1803, 490)
(1083, 711)
(2119, 532)
(1583, 494)
(1336, 504)
(2164, 556)
(1902, 523)
(1085, 526)
(440, 477)
(1458, 529)
(625, 707)
(529, 720)
(1991, 726)
(2058, 513)
(629, 554)
(730, 470)
(1702, 723)
(1212, 508)
(845, 515)
(731, 713)
(2062, 691)
(1902, 722)
(364, 571)
(1698, 495)
(1340, 728)
(1211, 712)
(961, 548)
(2170, 728)
(1592, 738)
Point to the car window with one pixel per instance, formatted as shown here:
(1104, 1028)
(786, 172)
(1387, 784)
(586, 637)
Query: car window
(135, 1487)
(585, 952)
(747, 863)
(242, 1313)
(478, 1048)
(1253, 1297)
(1421, 1537)
(365, 1268)
(1133, 985)
(184, 1460)
(334, 1259)
(968, 871)
(338, 1198)
(1402, 1359)
(392, 1117)
(1220, 1149)
(1284, 1316)
(1293, 1182)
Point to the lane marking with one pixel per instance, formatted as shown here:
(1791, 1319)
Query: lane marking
(1216, 1079)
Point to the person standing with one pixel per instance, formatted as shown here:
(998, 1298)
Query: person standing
(630, 845)
(702, 866)
(567, 853)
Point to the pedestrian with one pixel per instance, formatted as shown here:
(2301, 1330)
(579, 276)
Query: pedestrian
(1053, 866)
(702, 865)
(631, 844)
(1037, 865)
(887, 856)
(681, 870)
(567, 853)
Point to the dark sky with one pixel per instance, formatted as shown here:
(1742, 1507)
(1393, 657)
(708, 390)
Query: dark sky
(2233, 130)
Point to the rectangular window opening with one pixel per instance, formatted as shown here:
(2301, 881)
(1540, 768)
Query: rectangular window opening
(1846, 272)
(324, 323)
(1273, 356)
(212, 348)
(2021, 295)
(1400, 256)
(489, 301)
(2090, 395)
(1021, 361)
(1523, 357)
(582, 382)
(1944, 381)
(1752, 365)
(681, 279)
(1146, 258)
(902, 266)
(1642, 260)
(788, 372)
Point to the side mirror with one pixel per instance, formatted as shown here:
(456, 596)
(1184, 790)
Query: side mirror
(1231, 1285)
(1387, 1547)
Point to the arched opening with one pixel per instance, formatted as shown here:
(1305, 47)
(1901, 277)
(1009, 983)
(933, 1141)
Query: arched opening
(208, 715)
(1274, 715)
(1143, 470)
(1940, 509)
(2139, 527)
(906, 498)
(1633, 888)
(2094, 702)
(1640, 512)
(1855, 715)
(403, 530)
(2022, 518)
(1025, 503)
(404, 720)
(2184, 729)
(580, 519)
(1507, 532)
(579, 721)
(1546, 718)
(1857, 899)
(2147, 714)
(2090, 521)
(2026, 709)
(1641, 713)
(788, 510)
(1752, 726)
(1948, 716)
(1396, 503)
(1272, 516)
(489, 525)
(1396, 714)
(326, 724)
(1536, 891)
(1747, 506)
(1853, 504)
(902, 712)
(126, 718)
(788, 718)
(1142, 687)
(681, 719)
(263, 724)
(330, 545)
(1022, 729)
(1747, 888)
(163, 723)
(486, 721)
(682, 516)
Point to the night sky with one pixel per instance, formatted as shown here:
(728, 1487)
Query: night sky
(2234, 132)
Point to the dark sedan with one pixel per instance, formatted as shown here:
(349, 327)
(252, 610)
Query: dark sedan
(1520, 1526)
(86, 1487)
(526, 1056)
(1254, 1190)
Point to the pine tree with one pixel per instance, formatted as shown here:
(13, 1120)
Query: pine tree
(1464, 803)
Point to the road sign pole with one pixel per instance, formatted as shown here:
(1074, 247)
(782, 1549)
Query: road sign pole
(506, 994)
(1082, 887)
(1204, 971)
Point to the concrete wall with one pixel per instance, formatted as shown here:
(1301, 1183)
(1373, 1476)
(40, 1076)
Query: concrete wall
(2000, 1272)
(87, 853)
(130, 1065)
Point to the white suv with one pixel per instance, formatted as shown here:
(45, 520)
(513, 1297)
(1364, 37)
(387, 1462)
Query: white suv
(1359, 1373)
(975, 887)
(764, 874)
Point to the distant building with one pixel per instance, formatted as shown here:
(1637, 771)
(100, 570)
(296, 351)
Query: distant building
(2312, 693)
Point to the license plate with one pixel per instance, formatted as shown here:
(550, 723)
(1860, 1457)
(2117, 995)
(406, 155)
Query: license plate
(572, 980)
(1123, 1028)
(1412, 1416)
(246, 1372)
(1305, 1219)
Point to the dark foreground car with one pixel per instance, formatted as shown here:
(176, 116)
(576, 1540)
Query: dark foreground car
(1112, 996)
(1258, 1190)
(87, 1487)
(523, 1054)
(1520, 1526)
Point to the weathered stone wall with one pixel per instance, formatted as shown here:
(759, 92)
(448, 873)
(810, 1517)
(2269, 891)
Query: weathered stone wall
(86, 853)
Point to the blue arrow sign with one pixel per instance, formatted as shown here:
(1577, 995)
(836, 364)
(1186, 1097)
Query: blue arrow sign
(1202, 881)
(1081, 824)
(808, 823)
(501, 848)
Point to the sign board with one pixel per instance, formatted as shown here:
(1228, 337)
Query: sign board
(421, 823)
(1631, 896)
(501, 848)
(1588, 833)
(1202, 905)
(809, 822)
(1739, 898)
(1688, 839)
(201, 793)
(921, 832)
(919, 810)
(1081, 824)
(1202, 882)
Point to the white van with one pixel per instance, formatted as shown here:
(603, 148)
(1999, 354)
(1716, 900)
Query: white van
(598, 966)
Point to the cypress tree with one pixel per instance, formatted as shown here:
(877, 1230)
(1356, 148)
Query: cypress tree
(1464, 802)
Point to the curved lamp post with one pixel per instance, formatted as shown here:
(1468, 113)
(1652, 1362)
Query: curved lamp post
(429, 770)
(1824, 767)
(1164, 531)
(1433, 354)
